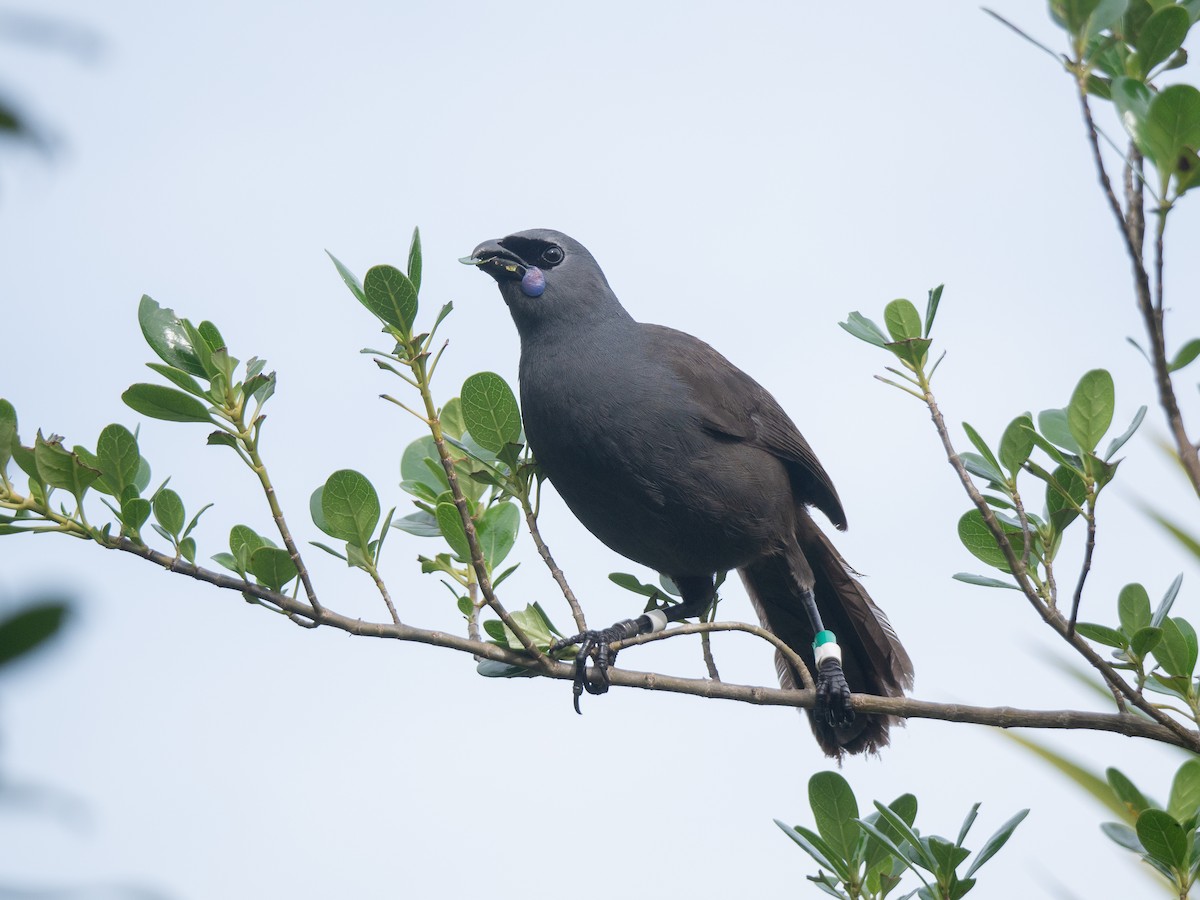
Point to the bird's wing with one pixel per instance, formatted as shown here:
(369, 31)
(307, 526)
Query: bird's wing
(734, 405)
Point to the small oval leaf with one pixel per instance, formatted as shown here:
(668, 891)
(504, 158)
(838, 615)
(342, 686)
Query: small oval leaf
(350, 507)
(389, 294)
(490, 411)
(159, 402)
(1090, 412)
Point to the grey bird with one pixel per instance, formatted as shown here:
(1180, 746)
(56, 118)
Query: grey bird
(678, 460)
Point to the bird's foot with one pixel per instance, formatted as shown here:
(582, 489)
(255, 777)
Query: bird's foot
(833, 695)
(595, 646)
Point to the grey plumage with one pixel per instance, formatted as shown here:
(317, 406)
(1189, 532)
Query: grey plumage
(678, 460)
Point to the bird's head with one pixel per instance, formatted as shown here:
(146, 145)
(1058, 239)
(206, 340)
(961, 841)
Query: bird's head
(546, 278)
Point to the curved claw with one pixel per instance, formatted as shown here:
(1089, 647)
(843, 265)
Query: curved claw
(833, 695)
(594, 646)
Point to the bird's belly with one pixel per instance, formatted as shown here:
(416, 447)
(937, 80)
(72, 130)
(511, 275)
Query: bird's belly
(677, 513)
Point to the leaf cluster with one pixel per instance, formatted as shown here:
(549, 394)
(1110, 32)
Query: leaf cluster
(1119, 47)
(865, 857)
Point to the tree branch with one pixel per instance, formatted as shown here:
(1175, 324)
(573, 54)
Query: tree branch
(1052, 617)
(555, 572)
(1151, 308)
(1002, 717)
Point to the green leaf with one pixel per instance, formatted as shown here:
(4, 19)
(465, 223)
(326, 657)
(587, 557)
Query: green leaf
(902, 320)
(134, 513)
(819, 852)
(350, 507)
(1163, 838)
(975, 536)
(414, 260)
(984, 449)
(243, 542)
(980, 467)
(993, 844)
(420, 523)
(450, 523)
(946, 856)
(1102, 634)
(201, 348)
(118, 459)
(497, 532)
(631, 583)
(490, 411)
(389, 294)
(29, 628)
(490, 668)
(1185, 790)
(350, 279)
(1144, 640)
(452, 420)
(1132, 800)
(931, 308)
(892, 817)
(864, 329)
(1187, 353)
(1132, 99)
(1123, 835)
(1017, 443)
(1053, 424)
(1173, 125)
(165, 403)
(835, 810)
(912, 351)
(62, 469)
(169, 512)
(1161, 35)
(414, 469)
(532, 620)
(1133, 608)
(8, 433)
(877, 853)
(1073, 15)
(1065, 496)
(1090, 411)
(168, 337)
(983, 581)
(1118, 442)
(1105, 16)
(1176, 651)
(273, 567)
(1168, 600)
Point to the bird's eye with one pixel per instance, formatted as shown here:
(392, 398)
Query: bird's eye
(552, 256)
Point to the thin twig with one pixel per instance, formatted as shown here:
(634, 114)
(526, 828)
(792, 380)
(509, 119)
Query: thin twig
(555, 572)
(1150, 308)
(259, 468)
(1088, 548)
(709, 663)
(383, 592)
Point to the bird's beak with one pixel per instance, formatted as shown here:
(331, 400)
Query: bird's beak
(497, 260)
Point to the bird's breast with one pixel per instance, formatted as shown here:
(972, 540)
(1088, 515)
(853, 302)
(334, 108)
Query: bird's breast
(619, 437)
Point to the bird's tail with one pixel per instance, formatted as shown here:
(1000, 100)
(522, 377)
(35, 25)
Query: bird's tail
(873, 659)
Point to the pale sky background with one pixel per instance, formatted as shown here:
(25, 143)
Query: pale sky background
(750, 173)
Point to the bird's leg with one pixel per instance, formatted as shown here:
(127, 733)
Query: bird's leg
(697, 593)
(833, 692)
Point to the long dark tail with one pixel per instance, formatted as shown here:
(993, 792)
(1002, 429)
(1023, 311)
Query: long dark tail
(872, 657)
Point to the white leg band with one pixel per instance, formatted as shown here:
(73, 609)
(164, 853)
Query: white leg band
(828, 650)
(658, 620)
